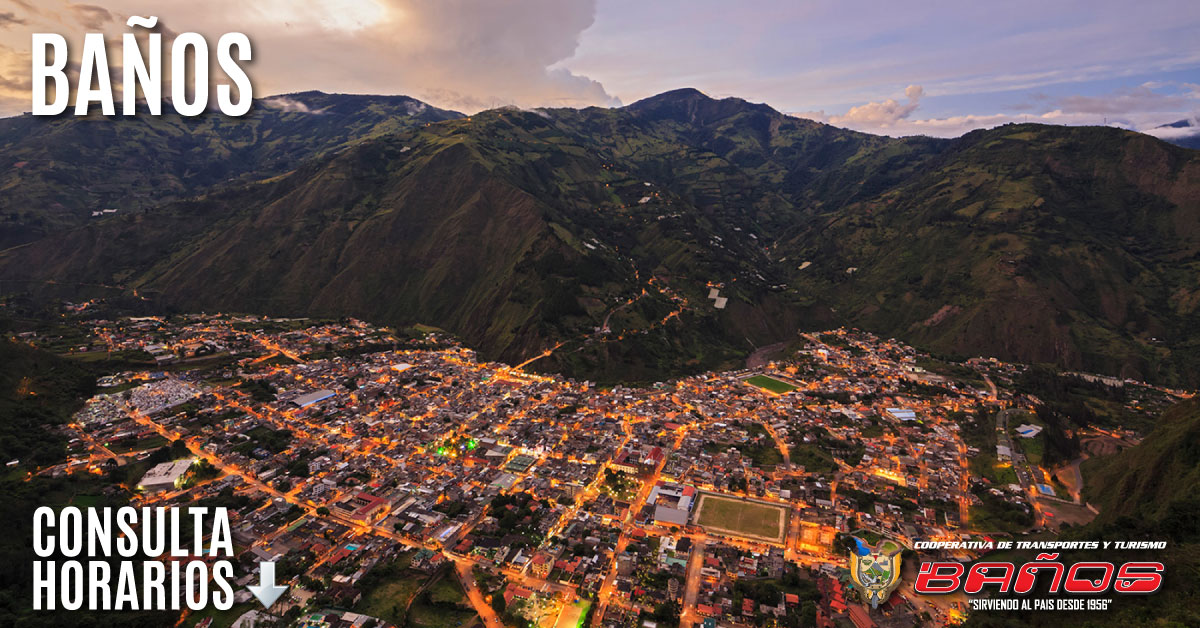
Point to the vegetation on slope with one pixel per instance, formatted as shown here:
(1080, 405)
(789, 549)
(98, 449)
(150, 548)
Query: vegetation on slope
(37, 391)
(55, 171)
(1076, 246)
(1154, 483)
(1145, 493)
(520, 230)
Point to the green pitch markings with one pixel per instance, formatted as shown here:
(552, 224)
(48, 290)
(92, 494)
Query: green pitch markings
(770, 384)
(740, 517)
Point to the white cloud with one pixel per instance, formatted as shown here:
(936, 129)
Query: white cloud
(460, 54)
(873, 115)
(1141, 108)
(284, 103)
(1178, 132)
(882, 114)
(474, 54)
(1124, 101)
(954, 126)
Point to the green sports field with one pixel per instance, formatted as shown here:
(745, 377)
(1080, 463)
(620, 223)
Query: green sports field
(741, 517)
(770, 384)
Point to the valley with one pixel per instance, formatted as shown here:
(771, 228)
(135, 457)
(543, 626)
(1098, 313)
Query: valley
(520, 230)
(366, 461)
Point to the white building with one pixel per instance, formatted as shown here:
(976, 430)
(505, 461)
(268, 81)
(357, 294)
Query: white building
(165, 476)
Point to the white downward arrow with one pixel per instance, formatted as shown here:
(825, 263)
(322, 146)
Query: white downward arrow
(266, 591)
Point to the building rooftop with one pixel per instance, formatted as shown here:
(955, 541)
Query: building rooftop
(308, 399)
(166, 472)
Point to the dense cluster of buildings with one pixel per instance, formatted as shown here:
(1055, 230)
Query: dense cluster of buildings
(337, 445)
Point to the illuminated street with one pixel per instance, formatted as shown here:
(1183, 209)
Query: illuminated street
(543, 491)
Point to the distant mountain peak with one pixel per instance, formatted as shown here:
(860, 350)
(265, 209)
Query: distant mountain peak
(693, 106)
(1185, 132)
(683, 93)
(316, 101)
(1178, 124)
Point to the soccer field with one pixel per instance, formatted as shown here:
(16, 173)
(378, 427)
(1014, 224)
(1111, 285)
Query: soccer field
(771, 384)
(741, 518)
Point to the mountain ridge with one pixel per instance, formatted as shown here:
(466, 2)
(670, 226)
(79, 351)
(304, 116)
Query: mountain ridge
(56, 171)
(668, 197)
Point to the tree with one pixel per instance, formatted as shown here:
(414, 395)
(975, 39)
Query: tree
(292, 614)
(667, 612)
(179, 450)
(808, 613)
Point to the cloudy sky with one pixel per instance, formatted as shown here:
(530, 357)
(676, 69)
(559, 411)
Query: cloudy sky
(931, 67)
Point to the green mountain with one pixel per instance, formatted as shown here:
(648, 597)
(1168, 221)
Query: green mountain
(504, 229)
(54, 172)
(37, 390)
(1144, 493)
(1148, 492)
(1155, 482)
(1078, 246)
(1191, 140)
(521, 230)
